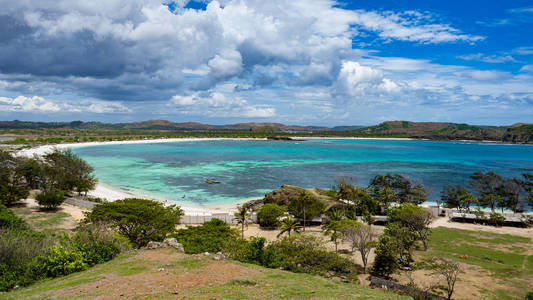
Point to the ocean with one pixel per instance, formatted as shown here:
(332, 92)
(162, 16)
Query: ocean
(247, 169)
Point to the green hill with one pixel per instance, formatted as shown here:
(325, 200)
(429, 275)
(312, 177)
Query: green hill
(165, 273)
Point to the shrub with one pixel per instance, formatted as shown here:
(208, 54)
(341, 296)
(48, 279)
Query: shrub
(8, 220)
(251, 251)
(139, 220)
(60, 260)
(529, 296)
(303, 253)
(97, 244)
(496, 219)
(209, 237)
(12, 184)
(51, 199)
(18, 252)
(269, 215)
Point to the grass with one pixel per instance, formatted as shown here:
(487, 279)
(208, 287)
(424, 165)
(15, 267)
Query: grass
(190, 263)
(42, 220)
(502, 257)
(191, 278)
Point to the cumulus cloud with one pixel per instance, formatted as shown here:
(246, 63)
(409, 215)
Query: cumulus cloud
(218, 104)
(356, 80)
(142, 50)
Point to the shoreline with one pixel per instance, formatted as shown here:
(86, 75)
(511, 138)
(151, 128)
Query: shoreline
(111, 193)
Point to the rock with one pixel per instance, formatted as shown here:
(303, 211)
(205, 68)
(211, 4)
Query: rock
(154, 245)
(173, 243)
(206, 253)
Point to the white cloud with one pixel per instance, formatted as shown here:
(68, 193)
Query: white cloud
(527, 68)
(219, 105)
(38, 104)
(488, 58)
(356, 80)
(411, 26)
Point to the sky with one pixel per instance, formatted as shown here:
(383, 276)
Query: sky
(303, 62)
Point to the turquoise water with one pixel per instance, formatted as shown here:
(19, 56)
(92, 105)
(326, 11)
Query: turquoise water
(177, 171)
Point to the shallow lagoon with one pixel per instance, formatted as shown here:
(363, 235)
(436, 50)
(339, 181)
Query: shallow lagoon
(247, 169)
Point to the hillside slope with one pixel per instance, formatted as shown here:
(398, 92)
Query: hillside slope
(167, 274)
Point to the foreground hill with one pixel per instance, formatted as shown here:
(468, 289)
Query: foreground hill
(167, 274)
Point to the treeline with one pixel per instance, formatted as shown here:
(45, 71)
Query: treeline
(57, 132)
(490, 190)
(55, 174)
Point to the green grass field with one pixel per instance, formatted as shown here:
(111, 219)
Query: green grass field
(505, 260)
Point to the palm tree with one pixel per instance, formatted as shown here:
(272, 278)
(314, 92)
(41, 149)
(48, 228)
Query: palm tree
(242, 217)
(289, 224)
(331, 226)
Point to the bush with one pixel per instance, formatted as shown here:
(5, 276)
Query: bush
(303, 253)
(529, 296)
(269, 215)
(62, 261)
(18, 252)
(51, 200)
(8, 220)
(97, 245)
(251, 251)
(139, 220)
(209, 237)
(496, 219)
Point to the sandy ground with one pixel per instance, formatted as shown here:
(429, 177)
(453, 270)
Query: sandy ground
(444, 222)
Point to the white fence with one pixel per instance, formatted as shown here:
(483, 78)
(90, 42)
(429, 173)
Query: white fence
(201, 219)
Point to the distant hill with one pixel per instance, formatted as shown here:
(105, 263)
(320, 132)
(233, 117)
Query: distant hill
(516, 133)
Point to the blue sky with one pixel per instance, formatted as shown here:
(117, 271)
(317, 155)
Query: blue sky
(308, 62)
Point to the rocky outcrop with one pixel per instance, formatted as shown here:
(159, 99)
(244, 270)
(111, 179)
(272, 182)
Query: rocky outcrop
(167, 243)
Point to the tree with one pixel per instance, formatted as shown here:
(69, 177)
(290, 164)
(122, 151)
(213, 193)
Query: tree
(332, 224)
(65, 171)
(415, 218)
(306, 207)
(455, 196)
(487, 186)
(140, 220)
(269, 215)
(32, 170)
(242, 217)
(364, 204)
(288, 225)
(12, 184)
(510, 192)
(448, 269)
(385, 197)
(400, 184)
(360, 236)
(417, 194)
(528, 186)
(50, 199)
(386, 261)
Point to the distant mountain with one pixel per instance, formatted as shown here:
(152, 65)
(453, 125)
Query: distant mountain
(516, 133)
